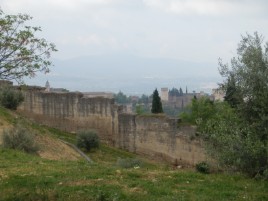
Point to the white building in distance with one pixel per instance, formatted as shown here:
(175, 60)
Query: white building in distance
(164, 94)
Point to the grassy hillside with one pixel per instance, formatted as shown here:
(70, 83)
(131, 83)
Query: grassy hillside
(31, 177)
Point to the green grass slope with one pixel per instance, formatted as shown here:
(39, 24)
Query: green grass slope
(31, 177)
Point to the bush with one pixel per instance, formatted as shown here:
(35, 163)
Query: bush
(129, 162)
(19, 138)
(87, 140)
(202, 167)
(10, 98)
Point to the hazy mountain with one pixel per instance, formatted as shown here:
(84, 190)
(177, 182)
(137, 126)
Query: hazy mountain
(132, 75)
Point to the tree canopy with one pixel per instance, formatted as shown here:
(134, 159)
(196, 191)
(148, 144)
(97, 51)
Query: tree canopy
(175, 92)
(121, 98)
(22, 54)
(236, 130)
(249, 72)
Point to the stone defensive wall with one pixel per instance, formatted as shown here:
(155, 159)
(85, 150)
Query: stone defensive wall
(156, 136)
(159, 137)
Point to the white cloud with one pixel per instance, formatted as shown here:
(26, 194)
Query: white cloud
(184, 7)
(89, 39)
(17, 5)
(205, 7)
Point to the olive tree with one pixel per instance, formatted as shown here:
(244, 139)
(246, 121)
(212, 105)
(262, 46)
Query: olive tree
(249, 72)
(236, 131)
(22, 54)
(247, 75)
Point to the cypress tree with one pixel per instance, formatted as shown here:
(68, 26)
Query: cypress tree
(156, 103)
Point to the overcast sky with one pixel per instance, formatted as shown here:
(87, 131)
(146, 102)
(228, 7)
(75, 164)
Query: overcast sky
(187, 30)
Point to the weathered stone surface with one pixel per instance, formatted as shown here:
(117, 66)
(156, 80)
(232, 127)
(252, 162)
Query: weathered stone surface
(156, 136)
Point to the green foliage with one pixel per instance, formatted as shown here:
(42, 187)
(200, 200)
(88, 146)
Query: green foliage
(232, 95)
(156, 103)
(144, 99)
(236, 131)
(202, 167)
(233, 142)
(139, 109)
(19, 138)
(175, 92)
(129, 163)
(121, 98)
(87, 140)
(200, 111)
(249, 72)
(22, 54)
(10, 98)
(228, 138)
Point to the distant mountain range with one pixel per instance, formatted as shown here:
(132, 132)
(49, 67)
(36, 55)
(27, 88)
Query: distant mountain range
(131, 75)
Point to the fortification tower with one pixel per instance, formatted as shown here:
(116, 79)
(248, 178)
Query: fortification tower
(164, 94)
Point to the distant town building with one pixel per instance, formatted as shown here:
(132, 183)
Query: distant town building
(47, 86)
(218, 94)
(179, 100)
(134, 98)
(164, 94)
(55, 90)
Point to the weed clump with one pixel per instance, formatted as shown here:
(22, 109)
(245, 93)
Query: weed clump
(20, 138)
(203, 167)
(129, 163)
(10, 98)
(87, 140)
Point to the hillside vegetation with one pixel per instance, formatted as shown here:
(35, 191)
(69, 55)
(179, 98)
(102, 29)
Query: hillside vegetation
(57, 172)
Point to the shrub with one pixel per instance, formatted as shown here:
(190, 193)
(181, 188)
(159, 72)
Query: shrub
(202, 167)
(10, 98)
(87, 140)
(129, 162)
(19, 138)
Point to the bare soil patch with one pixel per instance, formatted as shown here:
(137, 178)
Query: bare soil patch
(50, 148)
(54, 149)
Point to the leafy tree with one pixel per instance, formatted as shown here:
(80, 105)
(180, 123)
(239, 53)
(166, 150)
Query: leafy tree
(22, 54)
(144, 99)
(237, 131)
(121, 98)
(201, 110)
(250, 72)
(156, 103)
(232, 95)
(174, 92)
